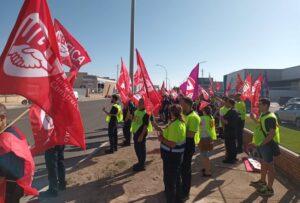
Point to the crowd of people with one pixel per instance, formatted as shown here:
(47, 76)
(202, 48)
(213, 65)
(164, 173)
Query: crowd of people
(184, 124)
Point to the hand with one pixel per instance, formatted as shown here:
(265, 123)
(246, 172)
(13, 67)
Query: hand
(141, 137)
(252, 116)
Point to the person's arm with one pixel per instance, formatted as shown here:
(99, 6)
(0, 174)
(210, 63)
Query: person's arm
(163, 140)
(270, 124)
(254, 119)
(145, 126)
(193, 127)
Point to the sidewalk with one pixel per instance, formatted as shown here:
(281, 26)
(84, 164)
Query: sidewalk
(109, 178)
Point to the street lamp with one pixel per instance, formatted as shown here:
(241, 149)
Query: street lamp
(166, 73)
(131, 65)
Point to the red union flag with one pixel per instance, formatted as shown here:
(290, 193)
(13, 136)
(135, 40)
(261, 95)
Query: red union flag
(255, 95)
(145, 85)
(29, 66)
(239, 83)
(247, 88)
(218, 86)
(124, 84)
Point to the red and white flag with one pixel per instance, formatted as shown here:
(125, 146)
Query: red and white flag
(211, 87)
(163, 91)
(202, 105)
(239, 83)
(228, 89)
(124, 84)
(218, 86)
(145, 85)
(247, 88)
(30, 66)
(255, 95)
(204, 93)
(72, 53)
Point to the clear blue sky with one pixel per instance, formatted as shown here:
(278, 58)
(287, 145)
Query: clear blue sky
(228, 34)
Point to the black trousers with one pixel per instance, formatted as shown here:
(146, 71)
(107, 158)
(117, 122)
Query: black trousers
(54, 159)
(113, 137)
(140, 150)
(186, 169)
(13, 192)
(239, 135)
(171, 168)
(126, 131)
(230, 145)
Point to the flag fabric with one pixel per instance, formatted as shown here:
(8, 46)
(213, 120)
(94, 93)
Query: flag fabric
(163, 91)
(211, 87)
(72, 53)
(204, 93)
(192, 84)
(182, 88)
(218, 86)
(239, 83)
(30, 66)
(145, 85)
(174, 93)
(14, 141)
(202, 105)
(124, 84)
(247, 88)
(266, 84)
(256, 92)
(228, 88)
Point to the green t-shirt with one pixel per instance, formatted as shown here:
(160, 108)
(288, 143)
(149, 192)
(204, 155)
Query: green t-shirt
(241, 108)
(192, 121)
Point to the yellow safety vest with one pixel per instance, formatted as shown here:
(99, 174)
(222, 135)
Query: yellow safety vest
(119, 114)
(209, 126)
(137, 121)
(241, 108)
(258, 136)
(193, 119)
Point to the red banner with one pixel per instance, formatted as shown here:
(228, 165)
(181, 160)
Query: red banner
(145, 86)
(30, 66)
(239, 83)
(247, 88)
(124, 84)
(256, 92)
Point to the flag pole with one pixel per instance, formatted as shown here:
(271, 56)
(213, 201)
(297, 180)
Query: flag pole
(131, 66)
(16, 119)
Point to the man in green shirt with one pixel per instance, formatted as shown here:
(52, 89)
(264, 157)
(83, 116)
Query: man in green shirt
(240, 107)
(192, 121)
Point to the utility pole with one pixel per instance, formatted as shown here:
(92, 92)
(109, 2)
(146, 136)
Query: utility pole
(131, 67)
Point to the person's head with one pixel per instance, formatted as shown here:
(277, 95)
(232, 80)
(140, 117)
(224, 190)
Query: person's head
(186, 104)
(176, 112)
(224, 100)
(207, 111)
(3, 116)
(264, 105)
(230, 103)
(141, 104)
(238, 96)
(114, 98)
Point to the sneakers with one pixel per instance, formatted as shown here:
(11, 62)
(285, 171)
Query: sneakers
(265, 191)
(138, 168)
(258, 183)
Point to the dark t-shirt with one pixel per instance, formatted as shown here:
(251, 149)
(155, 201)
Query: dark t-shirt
(270, 123)
(113, 119)
(232, 118)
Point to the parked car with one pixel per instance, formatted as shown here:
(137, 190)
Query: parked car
(76, 94)
(293, 100)
(290, 114)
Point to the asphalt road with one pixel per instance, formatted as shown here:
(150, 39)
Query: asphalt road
(96, 136)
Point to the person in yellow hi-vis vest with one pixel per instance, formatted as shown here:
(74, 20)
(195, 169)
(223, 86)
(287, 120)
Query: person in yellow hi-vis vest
(266, 139)
(172, 147)
(192, 121)
(140, 127)
(113, 118)
(207, 136)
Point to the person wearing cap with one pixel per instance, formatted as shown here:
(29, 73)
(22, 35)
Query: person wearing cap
(240, 107)
(192, 121)
(207, 136)
(140, 127)
(229, 121)
(113, 118)
(172, 147)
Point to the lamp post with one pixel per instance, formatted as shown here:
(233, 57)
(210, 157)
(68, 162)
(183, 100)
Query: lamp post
(202, 71)
(166, 73)
(131, 66)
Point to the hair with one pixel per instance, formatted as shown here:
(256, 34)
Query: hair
(3, 110)
(231, 101)
(176, 110)
(115, 97)
(265, 101)
(188, 101)
(207, 110)
(225, 98)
